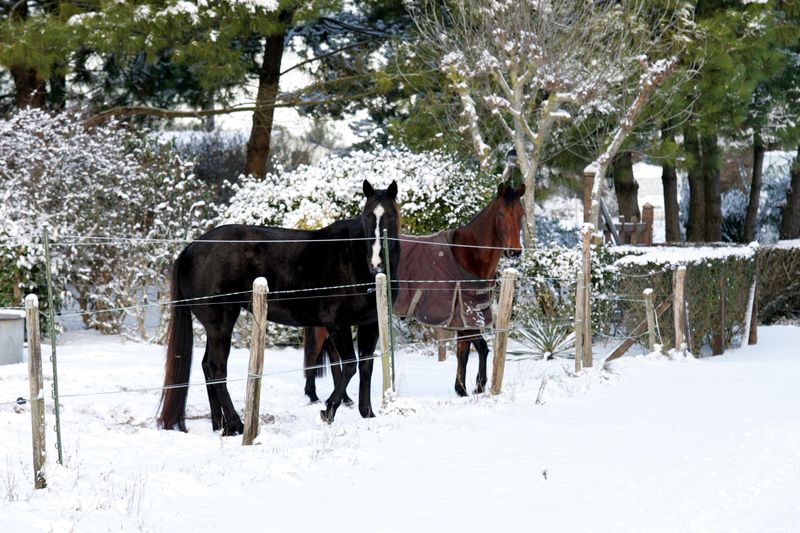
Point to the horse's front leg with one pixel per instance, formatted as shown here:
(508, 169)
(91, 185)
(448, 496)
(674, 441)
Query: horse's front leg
(483, 353)
(462, 353)
(367, 339)
(342, 340)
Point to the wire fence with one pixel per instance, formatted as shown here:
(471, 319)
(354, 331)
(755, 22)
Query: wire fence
(242, 298)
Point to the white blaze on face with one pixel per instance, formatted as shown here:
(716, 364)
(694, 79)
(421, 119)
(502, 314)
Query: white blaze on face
(376, 246)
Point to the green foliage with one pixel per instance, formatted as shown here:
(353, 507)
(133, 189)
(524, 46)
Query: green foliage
(546, 292)
(704, 279)
(546, 339)
(778, 282)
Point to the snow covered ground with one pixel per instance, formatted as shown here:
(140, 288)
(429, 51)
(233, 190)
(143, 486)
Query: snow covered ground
(649, 444)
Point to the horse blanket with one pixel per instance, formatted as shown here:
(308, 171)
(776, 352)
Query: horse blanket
(436, 290)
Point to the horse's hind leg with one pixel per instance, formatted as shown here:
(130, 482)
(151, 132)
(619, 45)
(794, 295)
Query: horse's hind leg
(483, 353)
(213, 402)
(367, 339)
(313, 359)
(219, 328)
(462, 353)
(342, 340)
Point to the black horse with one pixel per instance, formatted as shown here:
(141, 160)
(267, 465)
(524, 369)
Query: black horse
(477, 248)
(212, 276)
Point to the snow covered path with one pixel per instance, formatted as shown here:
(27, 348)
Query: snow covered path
(653, 444)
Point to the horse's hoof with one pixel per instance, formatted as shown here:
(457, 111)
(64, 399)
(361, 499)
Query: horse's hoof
(231, 430)
(479, 390)
(327, 418)
(313, 399)
(312, 402)
(461, 391)
(366, 412)
(347, 401)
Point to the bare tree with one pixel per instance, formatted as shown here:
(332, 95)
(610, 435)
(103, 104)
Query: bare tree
(527, 66)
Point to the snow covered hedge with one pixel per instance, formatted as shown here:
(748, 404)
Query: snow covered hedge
(96, 191)
(436, 191)
(779, 281)
(652, 267)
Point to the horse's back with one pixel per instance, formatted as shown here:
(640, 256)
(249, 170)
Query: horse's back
(225, 261)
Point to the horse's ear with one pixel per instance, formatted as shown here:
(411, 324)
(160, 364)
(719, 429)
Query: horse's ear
(392, 190)
(501, 189)
(520, 190)
(367, 188)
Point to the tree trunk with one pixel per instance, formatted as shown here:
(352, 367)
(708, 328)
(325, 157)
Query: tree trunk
(669, 182)
(625, 186)
(711, 187)
(695, 224)
(790, 218)
(258, 147)
(755, 189)
(28, 87)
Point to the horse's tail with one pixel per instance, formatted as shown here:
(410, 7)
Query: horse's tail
(315, 352)
(180, 342)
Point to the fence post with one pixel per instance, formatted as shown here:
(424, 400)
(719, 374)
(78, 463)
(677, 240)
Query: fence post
(647, 219)
(382, 303)
(651, 318)
(678, 307)
(588, 229)
(36, 387)
(256, 368)
(507, 285)
(752, 311)
(441, 343)
(53, 356)
(579, 310)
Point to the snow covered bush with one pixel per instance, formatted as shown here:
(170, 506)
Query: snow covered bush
(708, 269)
(117, 205)
(435, 191)
(546, 291)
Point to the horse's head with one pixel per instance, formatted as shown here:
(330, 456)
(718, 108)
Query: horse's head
(508, 218)
(381, 213)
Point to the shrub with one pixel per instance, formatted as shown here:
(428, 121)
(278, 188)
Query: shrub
(116, 204)
(435, 191)
(641, 268)
(545, 295)
(779, 282)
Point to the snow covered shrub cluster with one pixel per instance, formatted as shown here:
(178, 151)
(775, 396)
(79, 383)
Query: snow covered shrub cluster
(97, 192)
(546, 291)
(708, 269)
(435, 191)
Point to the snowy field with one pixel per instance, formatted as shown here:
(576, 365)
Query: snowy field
(649, 444)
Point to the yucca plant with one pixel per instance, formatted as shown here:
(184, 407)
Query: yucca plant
(546, 339)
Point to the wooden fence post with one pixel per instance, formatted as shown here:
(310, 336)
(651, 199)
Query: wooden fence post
(256, 368)
(750, 318)
(382, 303)
(36, 387)
(441, 343)
(588, 229)
(647, 219)
(579, 310)
(651, 318)
(678, 307)
(507, 285)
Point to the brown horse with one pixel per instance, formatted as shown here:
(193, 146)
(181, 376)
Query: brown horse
(477, 248)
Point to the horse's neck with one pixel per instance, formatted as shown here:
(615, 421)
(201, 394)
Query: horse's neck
(480, 232)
